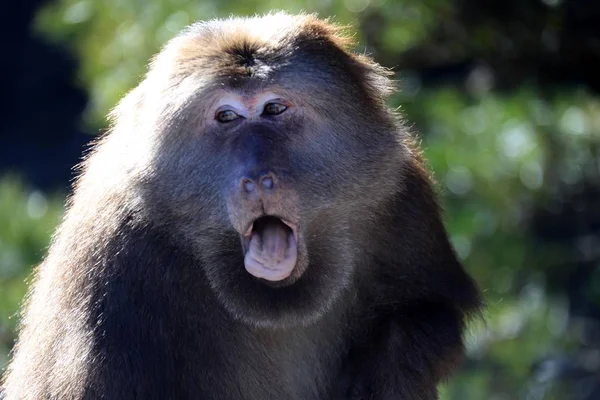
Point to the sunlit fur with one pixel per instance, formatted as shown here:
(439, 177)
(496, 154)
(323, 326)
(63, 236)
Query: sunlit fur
(143, 293)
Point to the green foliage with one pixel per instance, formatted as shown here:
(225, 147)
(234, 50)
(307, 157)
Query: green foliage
(491, 156)
(27, 220)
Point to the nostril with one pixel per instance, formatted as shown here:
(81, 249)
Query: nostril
(248, 185)
(267, 182)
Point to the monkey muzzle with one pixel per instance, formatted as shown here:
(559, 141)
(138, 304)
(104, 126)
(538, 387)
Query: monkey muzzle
(262, 203)
(271, 248)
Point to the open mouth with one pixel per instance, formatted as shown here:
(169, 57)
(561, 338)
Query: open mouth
(271, 248)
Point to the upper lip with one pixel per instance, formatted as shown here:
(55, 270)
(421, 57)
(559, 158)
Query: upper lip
(248, 231)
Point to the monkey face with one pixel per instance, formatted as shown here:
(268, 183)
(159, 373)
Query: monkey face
(274, 200)
(272, 178)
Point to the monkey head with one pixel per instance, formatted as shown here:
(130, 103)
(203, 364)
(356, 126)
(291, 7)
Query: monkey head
(267, 154)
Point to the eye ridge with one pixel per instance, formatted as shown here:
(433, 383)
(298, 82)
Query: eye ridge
(227, 116)
(274, 108)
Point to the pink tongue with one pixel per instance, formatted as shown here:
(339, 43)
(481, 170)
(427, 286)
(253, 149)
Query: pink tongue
(272, 251)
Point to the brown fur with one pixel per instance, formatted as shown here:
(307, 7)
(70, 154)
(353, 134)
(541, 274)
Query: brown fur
(143, 293)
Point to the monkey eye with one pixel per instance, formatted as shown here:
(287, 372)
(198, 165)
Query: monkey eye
(274, 108)
(226, 116)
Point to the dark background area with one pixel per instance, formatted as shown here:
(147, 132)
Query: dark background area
(41, 136)
(504, 94)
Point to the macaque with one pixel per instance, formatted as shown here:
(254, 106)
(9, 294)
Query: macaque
(257, 224)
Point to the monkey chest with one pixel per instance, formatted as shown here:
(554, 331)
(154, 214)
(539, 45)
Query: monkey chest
(292, 366)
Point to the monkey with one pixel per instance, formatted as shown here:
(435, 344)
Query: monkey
(257, 223)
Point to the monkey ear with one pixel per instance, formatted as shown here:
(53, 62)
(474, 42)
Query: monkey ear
(417, 252)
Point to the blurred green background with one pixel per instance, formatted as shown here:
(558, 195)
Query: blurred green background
(504, 94)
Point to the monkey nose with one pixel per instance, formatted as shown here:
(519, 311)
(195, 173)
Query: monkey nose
(265, 182)
(248, 185)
